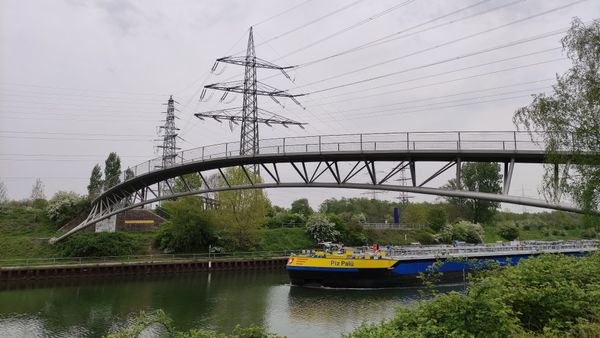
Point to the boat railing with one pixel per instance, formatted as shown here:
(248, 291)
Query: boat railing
(524, 246)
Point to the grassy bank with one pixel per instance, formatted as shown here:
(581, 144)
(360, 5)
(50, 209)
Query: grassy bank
(24, 232)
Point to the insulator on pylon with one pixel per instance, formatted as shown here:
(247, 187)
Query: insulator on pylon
(276, 101)
(222, 70)
(202, 94)
(223, 97)
(231, 100)
(286, 75)
(214, 67)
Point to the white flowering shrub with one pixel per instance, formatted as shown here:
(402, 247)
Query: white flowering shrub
(321, 229)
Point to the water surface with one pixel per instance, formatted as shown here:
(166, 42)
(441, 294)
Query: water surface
(217, 301)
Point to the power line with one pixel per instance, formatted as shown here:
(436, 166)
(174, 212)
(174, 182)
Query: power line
(425, 108)
(72, 138)
(70, 119)
(348, 28)
(439, 62)
(67, 155)
(446, 96)
(35, 94)
(77, 89)
(529, 90)
(446, 73)
(281, 13)
(311, 22)
(469, 36)
(388, 38)
(46, 178)
(68, 133)
(47, 160)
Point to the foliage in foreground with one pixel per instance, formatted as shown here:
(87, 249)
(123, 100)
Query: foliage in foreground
(159, 321)
(547, 296)
(98, 244)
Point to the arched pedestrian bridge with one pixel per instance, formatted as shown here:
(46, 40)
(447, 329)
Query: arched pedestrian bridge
(350, 161)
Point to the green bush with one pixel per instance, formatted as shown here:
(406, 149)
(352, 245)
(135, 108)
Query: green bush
(424, 237)
(90, 244)
(281, 219)
(436, 218)
(508, 231)
(589, 234)
(190, 229)
(462, 231)
(550, 296)
(351, 230)
(66, 205)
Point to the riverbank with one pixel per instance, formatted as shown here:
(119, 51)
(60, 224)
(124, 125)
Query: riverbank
(138, 265)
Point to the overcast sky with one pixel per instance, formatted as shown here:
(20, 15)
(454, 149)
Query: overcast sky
(79, 79)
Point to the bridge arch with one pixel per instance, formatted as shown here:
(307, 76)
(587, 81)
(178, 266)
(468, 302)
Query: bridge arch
(331, 161)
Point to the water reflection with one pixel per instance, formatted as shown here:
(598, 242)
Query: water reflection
(218, 301)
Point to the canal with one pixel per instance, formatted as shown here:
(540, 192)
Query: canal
(217, 301)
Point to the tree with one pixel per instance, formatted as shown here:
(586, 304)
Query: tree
(37, 191)
(3, 193)
(241, 212)
(374, 210)
(96, 183)
(192, 181)
(570, 118)
(190, 228)
(481, 177)
(508, 231)
(321, 229)
(112, 171)
(414, 213)
(66, 205)
(461, 231)
(301, 206)
(436, 218)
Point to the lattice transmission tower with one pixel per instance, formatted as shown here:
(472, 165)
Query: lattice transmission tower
(249, 115)
(169, 133)
(403, 197)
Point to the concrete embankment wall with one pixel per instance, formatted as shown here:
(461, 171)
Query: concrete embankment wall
(138, 268)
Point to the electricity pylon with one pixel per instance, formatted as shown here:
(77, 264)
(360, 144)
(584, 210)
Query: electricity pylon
(249, 115)
(168, 131)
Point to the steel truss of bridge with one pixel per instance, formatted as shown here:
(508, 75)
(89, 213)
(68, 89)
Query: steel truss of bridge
(349, 161)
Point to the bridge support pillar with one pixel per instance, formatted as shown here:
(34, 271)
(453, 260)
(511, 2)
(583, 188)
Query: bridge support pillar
(413, 173)
(458, 173)
(508, 171)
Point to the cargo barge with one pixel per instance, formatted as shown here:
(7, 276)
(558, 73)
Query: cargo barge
(343, 267)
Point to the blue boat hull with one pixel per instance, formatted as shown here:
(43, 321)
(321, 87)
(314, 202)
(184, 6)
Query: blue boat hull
(403, 272)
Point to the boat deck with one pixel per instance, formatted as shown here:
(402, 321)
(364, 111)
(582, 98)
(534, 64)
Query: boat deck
(485, 250)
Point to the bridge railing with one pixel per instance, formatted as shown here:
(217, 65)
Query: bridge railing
(405, 141)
